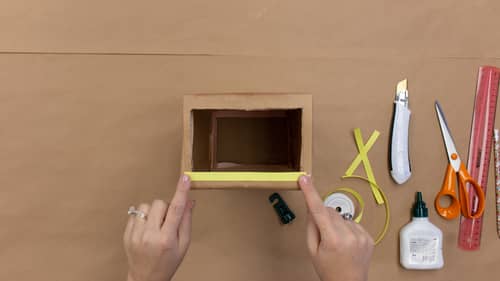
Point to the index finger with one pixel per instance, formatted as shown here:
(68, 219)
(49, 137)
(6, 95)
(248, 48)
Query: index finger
(314, 203)
(177, 205)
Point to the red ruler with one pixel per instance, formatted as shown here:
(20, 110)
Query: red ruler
(478, 163)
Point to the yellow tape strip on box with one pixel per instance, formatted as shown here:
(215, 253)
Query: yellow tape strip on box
(244, 176)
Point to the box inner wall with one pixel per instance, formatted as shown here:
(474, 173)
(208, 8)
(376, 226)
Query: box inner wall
(238, 140)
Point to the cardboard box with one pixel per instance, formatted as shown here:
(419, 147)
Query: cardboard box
(247, 140)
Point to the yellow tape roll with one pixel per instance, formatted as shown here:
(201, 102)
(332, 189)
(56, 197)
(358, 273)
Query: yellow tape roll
(356, 195)
(383, 232)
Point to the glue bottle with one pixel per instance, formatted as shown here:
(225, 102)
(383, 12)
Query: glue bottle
(421, 242)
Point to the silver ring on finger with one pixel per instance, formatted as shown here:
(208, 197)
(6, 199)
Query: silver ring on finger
(138, 213)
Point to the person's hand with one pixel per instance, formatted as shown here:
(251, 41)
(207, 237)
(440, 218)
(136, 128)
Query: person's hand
(340, 249)
(156, 245)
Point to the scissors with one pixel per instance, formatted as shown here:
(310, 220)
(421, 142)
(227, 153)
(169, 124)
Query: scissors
(456, 169)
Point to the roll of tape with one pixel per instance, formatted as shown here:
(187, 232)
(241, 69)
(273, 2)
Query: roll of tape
(341, 194)
(341, 203)
(382, 233)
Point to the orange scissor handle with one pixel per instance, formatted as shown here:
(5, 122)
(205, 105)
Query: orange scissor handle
(464, 178)
(449, 190)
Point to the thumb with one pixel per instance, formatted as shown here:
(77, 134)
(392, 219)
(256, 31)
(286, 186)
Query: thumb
(185, 226)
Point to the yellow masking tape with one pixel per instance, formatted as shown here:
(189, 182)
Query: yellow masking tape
(363, 158)
(356, 195)
(355, 163)
(244, 176)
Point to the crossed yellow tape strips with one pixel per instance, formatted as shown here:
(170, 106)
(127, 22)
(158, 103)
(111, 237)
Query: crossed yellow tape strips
(362, 157)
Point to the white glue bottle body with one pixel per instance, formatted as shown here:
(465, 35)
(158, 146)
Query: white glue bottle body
(421, 242)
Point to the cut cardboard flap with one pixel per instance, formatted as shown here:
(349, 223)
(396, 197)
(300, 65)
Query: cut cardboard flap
(264, 135)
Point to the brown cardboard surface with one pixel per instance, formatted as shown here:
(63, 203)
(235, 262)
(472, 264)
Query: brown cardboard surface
(86, 136)
(317, 28)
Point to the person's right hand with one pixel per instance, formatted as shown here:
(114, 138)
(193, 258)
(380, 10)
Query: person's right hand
(156, 246)
(340, 249)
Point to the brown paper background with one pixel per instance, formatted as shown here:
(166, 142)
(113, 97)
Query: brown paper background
(86, 132)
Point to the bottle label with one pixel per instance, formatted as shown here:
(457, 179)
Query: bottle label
(423, 250)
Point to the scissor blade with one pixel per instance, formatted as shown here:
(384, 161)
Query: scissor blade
(448, 140)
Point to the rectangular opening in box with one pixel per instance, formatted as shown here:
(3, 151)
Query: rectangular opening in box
(240, 140)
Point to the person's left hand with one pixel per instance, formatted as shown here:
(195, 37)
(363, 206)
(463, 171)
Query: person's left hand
(156, 245)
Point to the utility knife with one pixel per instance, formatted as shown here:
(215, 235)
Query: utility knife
(399, 157)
